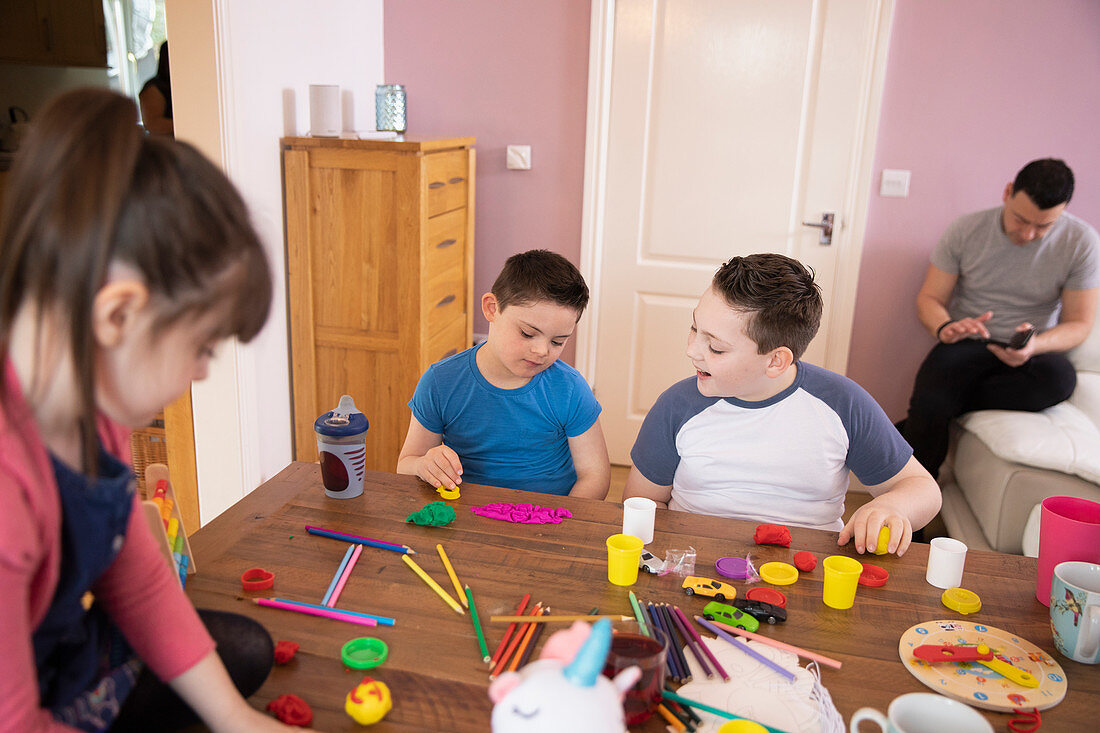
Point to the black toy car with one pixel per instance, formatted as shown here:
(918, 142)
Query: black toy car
(760, 610)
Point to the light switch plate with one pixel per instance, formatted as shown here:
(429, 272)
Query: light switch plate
(519, 157)
(894, 183)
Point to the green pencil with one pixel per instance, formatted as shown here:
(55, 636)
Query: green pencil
(477, 625)
(717, 711)
(638, 614)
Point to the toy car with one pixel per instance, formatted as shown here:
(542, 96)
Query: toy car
(716, 611)
(759, 609)
(694, 584)
(650, 564)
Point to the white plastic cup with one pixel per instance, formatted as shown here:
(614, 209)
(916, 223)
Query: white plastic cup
(638, 516)
(946, 558)
(324, 110)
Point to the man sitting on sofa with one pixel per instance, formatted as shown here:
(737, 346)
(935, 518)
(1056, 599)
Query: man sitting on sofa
(995, 275)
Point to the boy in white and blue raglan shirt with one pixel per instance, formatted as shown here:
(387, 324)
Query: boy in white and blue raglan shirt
(758, 435)
(507, 412)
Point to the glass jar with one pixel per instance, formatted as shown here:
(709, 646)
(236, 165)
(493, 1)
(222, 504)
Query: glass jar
(389, 107)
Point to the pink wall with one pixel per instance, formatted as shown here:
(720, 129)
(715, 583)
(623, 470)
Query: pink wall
(974, 89)
(511, 72)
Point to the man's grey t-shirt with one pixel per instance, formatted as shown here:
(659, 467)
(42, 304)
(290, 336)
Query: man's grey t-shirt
(1017, 282)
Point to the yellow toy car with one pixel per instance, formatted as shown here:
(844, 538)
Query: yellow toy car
(697, 585)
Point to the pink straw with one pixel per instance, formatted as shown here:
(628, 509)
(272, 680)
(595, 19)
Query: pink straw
(699, 640)
(780, 645)
(333, 614)
(344, 578)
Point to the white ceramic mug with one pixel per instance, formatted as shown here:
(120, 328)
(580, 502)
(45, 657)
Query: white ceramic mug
(924, 712)
(1075, 611)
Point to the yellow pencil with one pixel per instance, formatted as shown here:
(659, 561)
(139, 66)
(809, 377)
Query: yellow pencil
(451, 572)
(432, 584)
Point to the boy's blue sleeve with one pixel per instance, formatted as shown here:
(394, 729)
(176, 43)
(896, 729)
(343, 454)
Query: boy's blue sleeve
(584, 410)
(654, 453)
(425, 402)
(876, 450)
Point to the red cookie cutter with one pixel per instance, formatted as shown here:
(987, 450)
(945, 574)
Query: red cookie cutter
(257, 579)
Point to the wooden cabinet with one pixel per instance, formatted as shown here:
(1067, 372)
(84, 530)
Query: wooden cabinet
(380, 250)
(53, 32)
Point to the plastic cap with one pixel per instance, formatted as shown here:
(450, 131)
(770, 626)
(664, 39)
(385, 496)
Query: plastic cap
(345, 420)
(961, 600)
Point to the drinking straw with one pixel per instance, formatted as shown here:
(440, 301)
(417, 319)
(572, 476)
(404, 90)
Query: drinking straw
(332, 613)
(554, 619)
(706, 650)
(780, 645)
(677, 637)
(360, 540)
(432, 584)
(382, 620)
(672, 666)
(344, 576)
(532, 644)
(537, 610)
(638, 614)
(511, 627)
(670, 695)
(681, 626)
(451, 572)
(336, 577)
(477, 624)
(514, 665)
(745, 648)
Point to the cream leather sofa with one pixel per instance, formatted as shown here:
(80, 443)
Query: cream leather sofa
(1002, 463)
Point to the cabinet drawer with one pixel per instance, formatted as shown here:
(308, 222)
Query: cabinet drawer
(445, 244)
(444, 300)
(448, 342)
(446, 174)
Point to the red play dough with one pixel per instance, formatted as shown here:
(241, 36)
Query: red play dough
(805, 561)
(284, 651)
(291, 710)
(772, 534)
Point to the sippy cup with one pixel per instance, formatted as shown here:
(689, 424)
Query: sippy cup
(341, 449)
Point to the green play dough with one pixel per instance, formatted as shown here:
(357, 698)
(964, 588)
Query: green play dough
(435, 514)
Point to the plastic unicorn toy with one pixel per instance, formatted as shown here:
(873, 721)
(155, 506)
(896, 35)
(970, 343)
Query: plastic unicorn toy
(564, 690)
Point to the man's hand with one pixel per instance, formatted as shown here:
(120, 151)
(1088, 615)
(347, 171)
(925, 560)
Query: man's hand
(865, 524)
(966, 328)
(440, 466)
(1015, 357)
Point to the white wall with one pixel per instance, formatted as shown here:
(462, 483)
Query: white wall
(241, 71)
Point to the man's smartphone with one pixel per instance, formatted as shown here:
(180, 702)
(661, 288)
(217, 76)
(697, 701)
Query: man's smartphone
(1018, 341)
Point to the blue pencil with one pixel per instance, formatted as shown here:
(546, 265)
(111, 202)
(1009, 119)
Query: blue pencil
(382, 620)
(673, 669)
(336, 578)
(361, 540)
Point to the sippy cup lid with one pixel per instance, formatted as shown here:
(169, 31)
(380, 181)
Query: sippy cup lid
(343, 421)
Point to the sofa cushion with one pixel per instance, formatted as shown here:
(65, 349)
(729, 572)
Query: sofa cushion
(1061, 438)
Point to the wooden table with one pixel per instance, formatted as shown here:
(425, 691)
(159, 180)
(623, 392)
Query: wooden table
(434, 668)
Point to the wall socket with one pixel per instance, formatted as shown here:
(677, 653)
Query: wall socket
(519, 157)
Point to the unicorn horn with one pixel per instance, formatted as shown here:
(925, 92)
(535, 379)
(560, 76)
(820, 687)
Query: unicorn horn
(587, 665)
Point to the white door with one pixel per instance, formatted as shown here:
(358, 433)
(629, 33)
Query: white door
(716, 127)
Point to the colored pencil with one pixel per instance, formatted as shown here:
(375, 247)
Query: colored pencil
(514, 664)
(684, 713)
(532, 644)
(668, 694)
(336, 577)
(382, 620)
(477, 625)
(511, 627)
(780, 645)
(323, 613)
(692, 645)
(451, 573)
(672, 719)
(638, 614)
(432, 584)
(344, 577)
(675, 633)
(782, 671)
(535, 611)
(555, 619)
(672, 666)
(706, 650)
(360, 540)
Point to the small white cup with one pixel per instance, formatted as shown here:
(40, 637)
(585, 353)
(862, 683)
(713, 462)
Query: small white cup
(638, 516)
(946, 558)
(924, 712)
(324, 110)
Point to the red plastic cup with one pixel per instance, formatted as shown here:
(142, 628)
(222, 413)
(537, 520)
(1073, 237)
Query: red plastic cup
(1069, 529)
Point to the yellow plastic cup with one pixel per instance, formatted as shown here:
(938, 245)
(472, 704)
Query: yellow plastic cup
(623, 553)
(841, 579)
(742, 726)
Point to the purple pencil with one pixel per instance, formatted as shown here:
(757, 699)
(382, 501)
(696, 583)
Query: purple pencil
(706, 650)
(677, 618)
(747, 649)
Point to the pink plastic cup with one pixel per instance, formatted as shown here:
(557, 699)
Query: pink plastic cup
(1069, 529)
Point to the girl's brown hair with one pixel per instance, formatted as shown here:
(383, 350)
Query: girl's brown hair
(88, 189)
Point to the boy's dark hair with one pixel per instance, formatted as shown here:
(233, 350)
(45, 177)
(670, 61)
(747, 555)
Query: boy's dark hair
(539, 274)
(780, 293)
(1047, 181)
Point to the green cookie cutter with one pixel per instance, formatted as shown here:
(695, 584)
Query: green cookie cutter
(366, 652)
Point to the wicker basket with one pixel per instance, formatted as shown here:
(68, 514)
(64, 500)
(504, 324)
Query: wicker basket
(148, 446)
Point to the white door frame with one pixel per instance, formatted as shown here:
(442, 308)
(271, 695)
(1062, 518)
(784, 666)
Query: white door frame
(856, 198)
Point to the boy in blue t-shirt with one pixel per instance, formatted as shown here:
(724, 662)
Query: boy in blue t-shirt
(757, 434)
(507, 412)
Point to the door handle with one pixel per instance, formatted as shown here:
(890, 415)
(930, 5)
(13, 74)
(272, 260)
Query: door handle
(826, 227)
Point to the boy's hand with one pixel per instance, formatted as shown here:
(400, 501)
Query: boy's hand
(440, 466)
(865, 524)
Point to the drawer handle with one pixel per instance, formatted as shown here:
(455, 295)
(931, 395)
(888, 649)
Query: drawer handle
(445, 243)
(452, 352)
(458, 179)
(446, 301)
(436, 184)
